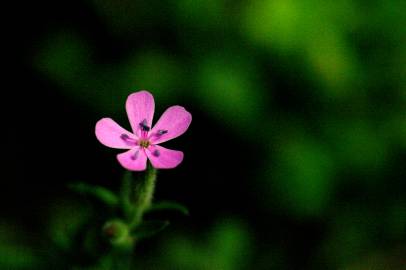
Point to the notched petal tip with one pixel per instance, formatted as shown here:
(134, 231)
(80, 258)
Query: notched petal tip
(142, 93)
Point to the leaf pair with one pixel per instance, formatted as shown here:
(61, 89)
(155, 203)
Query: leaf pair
(146, 228)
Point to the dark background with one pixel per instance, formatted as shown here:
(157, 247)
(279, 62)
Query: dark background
(295, 158)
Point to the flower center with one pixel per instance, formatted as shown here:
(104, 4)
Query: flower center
(143, 143)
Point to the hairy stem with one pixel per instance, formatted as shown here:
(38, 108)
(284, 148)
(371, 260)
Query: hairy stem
(142, 194)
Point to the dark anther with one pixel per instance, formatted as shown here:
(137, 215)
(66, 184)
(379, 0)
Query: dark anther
(161, 132)
(144, 126)
(124, 137)
(156, 153)
(135, 156)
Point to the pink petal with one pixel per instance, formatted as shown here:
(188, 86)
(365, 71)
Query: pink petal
(173, 123)
(112, 135)
(133, 160)
(140, 106)
(163, 158)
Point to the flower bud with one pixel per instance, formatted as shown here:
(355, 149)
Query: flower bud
(117, 232)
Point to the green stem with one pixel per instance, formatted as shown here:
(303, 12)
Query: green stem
(142, 195)
(136, 197)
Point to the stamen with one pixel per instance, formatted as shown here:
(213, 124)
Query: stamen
(161, 132)
(127, 139)
(144, 126)
(156, 153)
(124, 137)
(135, 156)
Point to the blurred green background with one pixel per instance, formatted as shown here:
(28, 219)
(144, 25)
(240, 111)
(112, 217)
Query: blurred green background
(295, 158)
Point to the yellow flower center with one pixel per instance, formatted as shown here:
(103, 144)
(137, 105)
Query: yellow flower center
(143, 143)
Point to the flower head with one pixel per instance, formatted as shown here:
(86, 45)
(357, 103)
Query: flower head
(142, 142)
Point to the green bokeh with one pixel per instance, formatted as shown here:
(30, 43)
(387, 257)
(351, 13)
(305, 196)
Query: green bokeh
(226, 246)
(318, 86)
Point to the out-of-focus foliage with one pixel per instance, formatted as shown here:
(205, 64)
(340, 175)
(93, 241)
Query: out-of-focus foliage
(226, 246)
(306, 169)
(318, 86)
(15, 250)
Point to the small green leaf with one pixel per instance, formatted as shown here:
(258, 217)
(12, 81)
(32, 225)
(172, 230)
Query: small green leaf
(168, 206)
(103, 194)
(149, 228)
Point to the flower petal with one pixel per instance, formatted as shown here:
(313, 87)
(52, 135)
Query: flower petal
(140, 106)
(173, 123)
(112, 135)
(163, 158)
(133, 160)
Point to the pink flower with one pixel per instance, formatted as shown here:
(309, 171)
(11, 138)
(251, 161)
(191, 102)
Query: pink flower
(143, 141)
